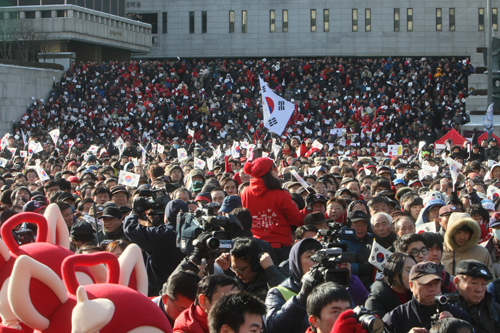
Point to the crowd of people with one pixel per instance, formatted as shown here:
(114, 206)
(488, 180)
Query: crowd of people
(270, 233)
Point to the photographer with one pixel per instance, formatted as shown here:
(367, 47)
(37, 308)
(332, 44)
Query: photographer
(286, 304)
(254, 269)
(159, 243)
(419, 314)
(324, 305)
(471, 281)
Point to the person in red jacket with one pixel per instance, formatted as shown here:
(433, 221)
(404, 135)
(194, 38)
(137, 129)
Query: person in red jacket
(195, 318)
(272, 208)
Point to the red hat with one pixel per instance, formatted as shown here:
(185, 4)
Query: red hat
(258, 167)
(73, 179)
(72, 163)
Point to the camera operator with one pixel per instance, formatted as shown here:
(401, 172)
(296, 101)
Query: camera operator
(254, 269)
(471, 281)
(359, 221)
(418, 315)
(159, 243)
(178, 293)
(286, 304)
(210, 289)
(324, 305)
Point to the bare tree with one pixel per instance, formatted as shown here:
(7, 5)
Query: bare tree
(8, 32)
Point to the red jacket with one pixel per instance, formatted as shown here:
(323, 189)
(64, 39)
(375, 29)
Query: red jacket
(273, 211)
(192, 320)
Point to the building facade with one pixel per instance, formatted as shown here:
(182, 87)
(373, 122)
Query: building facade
(243, 28)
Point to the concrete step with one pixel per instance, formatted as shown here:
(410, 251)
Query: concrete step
(478, 81)
(476, 103)
(477, 60)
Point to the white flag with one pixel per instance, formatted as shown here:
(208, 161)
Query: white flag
(217, 152)
(299, 179)
(426, 227)
(182, 154)
(317, 144)
(493, 192)
(277, 111)
(191, 132)
(54, 134)
(42, 175)
(128, 179)
(199, 163)
(379, 256)
(455, 168)
(4, 141)
(210, 163)
(24, 138)
(160, 148)
(3, 162)
(120, 144)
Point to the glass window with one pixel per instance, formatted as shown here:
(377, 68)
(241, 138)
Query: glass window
(481, 19)
(313, 20)
(368, 20)
(452, 19)
(164, 25)
(409, 19)
(191, 22)
(203, 22)
(243, 21)
(396, 19)
(439, 19)
(326, 20)
(231, 21)
(355, 20)
(494, 18)
(272, 21)
(151, 18)
(285, 21)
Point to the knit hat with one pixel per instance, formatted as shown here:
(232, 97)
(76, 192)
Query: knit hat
(259, 167)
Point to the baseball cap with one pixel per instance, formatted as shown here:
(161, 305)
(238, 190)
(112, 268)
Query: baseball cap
(474, 268)
(230, 202)
(112, 211)
(316, 218)
(117, 189)
(448, 209)
(399, 181)
(33, 206)
(488, 204)
(358, 215)
(426, 271)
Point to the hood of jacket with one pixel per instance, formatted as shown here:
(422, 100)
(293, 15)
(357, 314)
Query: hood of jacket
(455, 222)
(422, 216)
(294, 257)
(257, 187)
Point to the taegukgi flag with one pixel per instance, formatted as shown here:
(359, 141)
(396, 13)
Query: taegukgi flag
(277, 111)
(128, 179)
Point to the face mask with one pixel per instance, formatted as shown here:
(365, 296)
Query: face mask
(496, 233)
(176, 146)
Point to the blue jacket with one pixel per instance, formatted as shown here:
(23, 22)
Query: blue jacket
(355, 244)
(162, 253)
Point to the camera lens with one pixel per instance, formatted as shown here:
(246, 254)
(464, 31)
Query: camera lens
(213, 243)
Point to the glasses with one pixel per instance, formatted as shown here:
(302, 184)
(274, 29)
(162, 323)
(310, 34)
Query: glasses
(239, 270)
(415, 252)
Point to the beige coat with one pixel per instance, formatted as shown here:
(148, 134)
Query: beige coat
(453, 253)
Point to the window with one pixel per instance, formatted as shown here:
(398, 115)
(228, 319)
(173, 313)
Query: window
(368, 20)
(396, 19)
(244, 21)
(285, 21)
(272, 21)
(452, 19)
(409, 19)
(203, 22)
(151, 18)
(439, 19)
(313, 20)
(494, 18)
(481, 19)
(326, 20)
(354, 20)
(231, 21)
(191, 22)
(164, 26)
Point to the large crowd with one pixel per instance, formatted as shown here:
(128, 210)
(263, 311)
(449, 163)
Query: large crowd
(243, 230)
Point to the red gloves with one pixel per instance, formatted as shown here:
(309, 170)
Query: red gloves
(346, 323)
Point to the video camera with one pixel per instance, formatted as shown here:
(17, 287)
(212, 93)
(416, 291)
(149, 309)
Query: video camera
(368, 320)
(331, 238)
(222, 229)
(325, 269)
(154, 201)
(441, 300)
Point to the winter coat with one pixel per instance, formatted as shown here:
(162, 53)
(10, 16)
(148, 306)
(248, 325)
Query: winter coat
(355, 245)
(192, 320)
(413, 314)
(485, 315)
(453, 254)
(382, 298)
(273, 211)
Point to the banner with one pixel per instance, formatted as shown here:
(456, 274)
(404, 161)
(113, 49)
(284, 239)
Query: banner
(277, 111)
